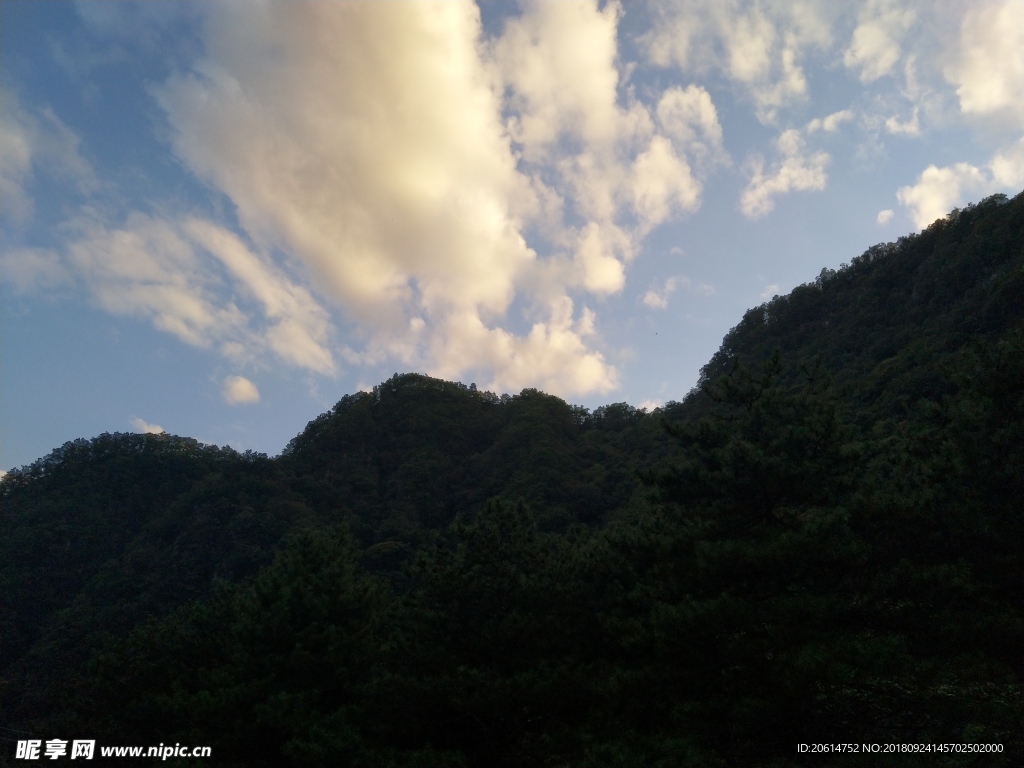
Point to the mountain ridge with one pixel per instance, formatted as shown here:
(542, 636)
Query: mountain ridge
(875, 411)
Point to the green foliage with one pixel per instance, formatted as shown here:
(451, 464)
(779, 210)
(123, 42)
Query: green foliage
(887, 324)
(102, 534)
(416, 453)
(743, 569)
(820, 544)
(492, 653)
(268, 673)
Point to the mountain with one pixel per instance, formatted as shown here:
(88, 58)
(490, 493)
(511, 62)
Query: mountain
(891, 321)
(822, 542)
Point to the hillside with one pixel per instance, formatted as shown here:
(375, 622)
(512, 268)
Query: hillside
(896, 314)
(822, 542)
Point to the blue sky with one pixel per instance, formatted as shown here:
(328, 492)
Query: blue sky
(216, 219)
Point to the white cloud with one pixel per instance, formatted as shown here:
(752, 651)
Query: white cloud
(238, 390)
(533, 360)
(757, 45)
(909, 127)
(1008, 166)
(650, 405)
(657, 298)
(600, 252)
(689, 118)
(33, 140)
(559, 61)
(830, 123)
(32, 269)
(372, 149)
(147, 268)
(16, 148)
(884, 217)
(875, 47)
(770, 292)
(938, 190)
(390, 161)
(428, 177)
(146, 428)
(795, 170)
(175, 272)
(898, 49)
(365, 140)
(299, 326)
(749, 45)
(661, 184)
(550, 46)
(988, 70)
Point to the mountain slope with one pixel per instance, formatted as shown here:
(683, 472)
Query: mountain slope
(888, 322)
(823, 542)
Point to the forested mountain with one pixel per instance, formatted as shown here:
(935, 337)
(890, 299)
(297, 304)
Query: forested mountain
(821, 543)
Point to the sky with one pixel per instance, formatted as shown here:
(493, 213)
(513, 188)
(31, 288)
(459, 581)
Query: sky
(217, 219)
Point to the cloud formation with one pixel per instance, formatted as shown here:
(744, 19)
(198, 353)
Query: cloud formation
(876, 45)
(911, 127)
(32, 141)
(796, 169)
(146, 428)
(461, 204)
(16, 149)
(988, 70)
(198, 281)
(940, 189)
(32, 269)
(759, 46)
(830, 123)
(429, 178)
(985, 63)
(1007, 166)
(657, 298)
(238, 390)
(689, 118)
(905, 55)
(604, 159)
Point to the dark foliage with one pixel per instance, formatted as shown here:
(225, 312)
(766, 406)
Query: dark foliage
(821, 544)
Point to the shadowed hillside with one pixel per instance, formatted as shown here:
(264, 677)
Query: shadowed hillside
(821, 543)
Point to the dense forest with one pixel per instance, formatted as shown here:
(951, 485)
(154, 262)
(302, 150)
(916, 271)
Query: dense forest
(823, 543)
